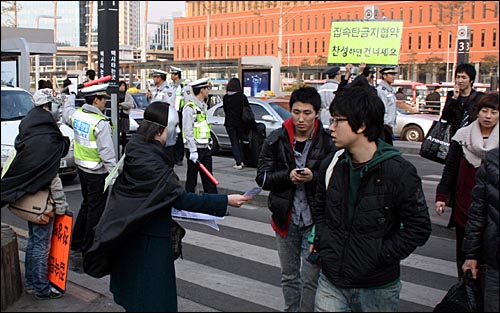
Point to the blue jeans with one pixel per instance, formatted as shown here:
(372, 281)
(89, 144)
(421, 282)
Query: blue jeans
(299, 278)
(330, 298)
(36, 260)
(235, 136)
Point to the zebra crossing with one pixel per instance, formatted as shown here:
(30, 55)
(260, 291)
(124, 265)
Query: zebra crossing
(210, 259)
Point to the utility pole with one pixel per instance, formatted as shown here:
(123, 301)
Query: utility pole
(89, 36)
(54, 56)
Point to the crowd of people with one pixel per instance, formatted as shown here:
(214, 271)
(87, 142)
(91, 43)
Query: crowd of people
(343, 217)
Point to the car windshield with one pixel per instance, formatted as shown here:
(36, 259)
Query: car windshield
(141, 101)
(284, 114)
(15, 104)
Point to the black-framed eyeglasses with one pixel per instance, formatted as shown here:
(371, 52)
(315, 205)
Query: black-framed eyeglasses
(335, 120)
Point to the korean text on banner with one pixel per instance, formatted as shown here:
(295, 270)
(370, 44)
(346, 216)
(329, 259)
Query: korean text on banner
(371, 42)
(59, 251)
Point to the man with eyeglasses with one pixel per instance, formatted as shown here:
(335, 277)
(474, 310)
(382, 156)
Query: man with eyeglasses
(370, 210)
(95, 158)
(386, 94)
(288, 167)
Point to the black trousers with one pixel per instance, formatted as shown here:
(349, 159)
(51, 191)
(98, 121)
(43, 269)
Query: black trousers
(205, 158)
(93, 203)
(179, 149)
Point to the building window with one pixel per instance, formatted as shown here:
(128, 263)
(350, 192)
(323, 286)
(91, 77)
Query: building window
(308, 22)
(234, 48)
(382, 14)
(272, 47)
(316, 22)
(494, 42)
(265, 26)
(401, 13)
(411, 15)
(286, 24)
(392, 14)
(308, 46)
(429, 44)
(300, 46)
(272, 27)
(253, 29)
(258, 48)
(300, 23)
(420, 40)
(323, 45)
(246, 27)
(348, 16)
(234, 28)
(357, 17)
(293, 25)
(484, 9)
(239, 49)
(239, 29)
(324, 21)
(253, 49)
(462, 13)
(495, 11)
(473, 10)
(471, 38)
(258, 26)
(440, 14)
(430, 13)
(293, 46)
(215, 30)
(409, 41)
(315, 45)
(482, 37)
(420, 13)
(440, 38)
(450, 37)
(246, 49)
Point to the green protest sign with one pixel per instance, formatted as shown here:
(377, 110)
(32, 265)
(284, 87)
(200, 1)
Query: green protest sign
(371, 42)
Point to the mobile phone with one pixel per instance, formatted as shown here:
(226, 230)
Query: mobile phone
(300, 171)
(313, 257)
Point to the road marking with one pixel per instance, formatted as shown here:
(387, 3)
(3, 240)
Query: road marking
(430, 182)
(438, 177)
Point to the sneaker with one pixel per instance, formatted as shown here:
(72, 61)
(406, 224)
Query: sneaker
(53, 294)
(29, 290)
(238, 167)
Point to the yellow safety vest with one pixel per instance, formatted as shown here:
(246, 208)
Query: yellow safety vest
(201, 128)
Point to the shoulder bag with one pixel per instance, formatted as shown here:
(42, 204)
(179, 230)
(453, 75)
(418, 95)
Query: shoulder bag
(464, 296)
(437, 142)
(37, 208)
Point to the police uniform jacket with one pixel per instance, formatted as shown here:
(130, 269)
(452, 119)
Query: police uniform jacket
(188, 120)
(386, 94)
(163, 93)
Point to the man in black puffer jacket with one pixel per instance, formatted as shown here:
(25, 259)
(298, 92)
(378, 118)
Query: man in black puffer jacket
(481, 232)
(370, 211)
(288, 167)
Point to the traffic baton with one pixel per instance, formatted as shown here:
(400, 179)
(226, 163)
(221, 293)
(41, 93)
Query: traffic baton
(94, 82)
(206, 171)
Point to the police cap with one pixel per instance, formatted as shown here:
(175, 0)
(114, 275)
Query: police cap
(95, 90)
(200, 83)
(388, 70)
(332, 71)
(175, 70)
(159, 73)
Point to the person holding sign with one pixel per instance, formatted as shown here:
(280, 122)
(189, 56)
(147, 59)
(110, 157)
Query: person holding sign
(133, 240)
(95, 157)
(39, 146)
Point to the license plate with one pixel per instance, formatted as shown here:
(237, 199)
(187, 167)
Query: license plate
(63, 163)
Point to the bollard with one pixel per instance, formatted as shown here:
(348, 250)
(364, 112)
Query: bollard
(10, 271)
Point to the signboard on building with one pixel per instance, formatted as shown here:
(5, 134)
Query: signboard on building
(463, 44)
(108, 41)
(371, 42)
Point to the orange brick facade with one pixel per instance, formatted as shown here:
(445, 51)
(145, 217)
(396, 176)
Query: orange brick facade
(238, 29)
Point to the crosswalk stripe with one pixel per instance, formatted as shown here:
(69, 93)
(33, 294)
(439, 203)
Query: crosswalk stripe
(438, 177)
(231, 284)
(430, 182)
(270, 257)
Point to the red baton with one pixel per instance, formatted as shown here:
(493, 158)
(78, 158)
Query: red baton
(205, 170)
(94, 82)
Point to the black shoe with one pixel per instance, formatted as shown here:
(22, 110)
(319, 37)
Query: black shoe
(53, 294)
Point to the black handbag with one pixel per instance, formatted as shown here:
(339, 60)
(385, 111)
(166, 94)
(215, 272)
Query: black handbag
(247, 116)
(437, 142)
(464, 296)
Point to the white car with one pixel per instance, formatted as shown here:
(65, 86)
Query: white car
(16, 103)
(411, 126)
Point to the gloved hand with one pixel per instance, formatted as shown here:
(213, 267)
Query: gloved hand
(193, 156)
(73, 88)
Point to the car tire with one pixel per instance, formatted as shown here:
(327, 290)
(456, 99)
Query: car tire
(413, 133)
(215, 145)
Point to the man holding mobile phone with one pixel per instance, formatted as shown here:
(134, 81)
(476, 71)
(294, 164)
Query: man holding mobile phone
(288, 166)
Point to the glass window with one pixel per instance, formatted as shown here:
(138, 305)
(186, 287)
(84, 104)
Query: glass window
(473, 10)
(284, 114)
(430, 13)
(420, 40)
(409, 41)
(429, 44)
(411, 15)
(15, 104)
(258, 111)
(482, 37)
(420, 13)
(219, 112)
(471, 38)
(494, 37)
(484, 9)
(439, 39)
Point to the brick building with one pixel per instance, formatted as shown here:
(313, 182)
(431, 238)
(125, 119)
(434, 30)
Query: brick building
(302, 29)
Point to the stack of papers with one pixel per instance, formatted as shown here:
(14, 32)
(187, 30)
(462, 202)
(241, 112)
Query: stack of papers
(201, 218)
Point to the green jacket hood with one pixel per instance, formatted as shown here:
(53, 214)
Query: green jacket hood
(384, 151)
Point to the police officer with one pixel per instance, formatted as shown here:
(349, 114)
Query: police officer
(326, 91)
(386, 94)
(196, 134)
(177, 84)
(95, 158)
(162, 90)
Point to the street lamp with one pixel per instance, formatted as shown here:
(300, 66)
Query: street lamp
(37, 56)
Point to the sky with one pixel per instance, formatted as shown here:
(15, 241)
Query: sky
(160, 9)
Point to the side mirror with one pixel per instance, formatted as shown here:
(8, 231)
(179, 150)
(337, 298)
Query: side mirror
(269, 118)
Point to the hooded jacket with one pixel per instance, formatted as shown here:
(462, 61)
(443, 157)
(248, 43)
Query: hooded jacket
(40, 145)
(369, 219)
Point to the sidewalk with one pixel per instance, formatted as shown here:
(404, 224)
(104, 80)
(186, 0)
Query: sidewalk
(87, 294)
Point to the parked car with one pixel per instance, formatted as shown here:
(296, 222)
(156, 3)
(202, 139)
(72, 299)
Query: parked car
(268, 112)
(16, 103)
(411, 125)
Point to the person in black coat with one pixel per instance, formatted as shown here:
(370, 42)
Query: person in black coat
(288, 167)
(481, 231)
(132, 241)
(233, 103)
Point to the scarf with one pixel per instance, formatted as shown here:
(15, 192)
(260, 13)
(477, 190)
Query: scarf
(473, 145)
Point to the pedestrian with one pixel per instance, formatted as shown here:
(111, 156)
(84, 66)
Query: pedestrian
(40, 145)
(233, 103)
(41, 83)
(95, 158)
(367, 217)
(90, 75)
(133, 240)
(65, 88)
(433, 100)
(327, 92)
(386, 94)
(196, 133)
(400, 95)
(288, 167)
(178, 85)
(468, 147)
(125, 103)
(481, 230)
(461, 101)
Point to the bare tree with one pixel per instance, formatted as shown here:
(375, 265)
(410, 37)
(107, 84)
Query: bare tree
(9, 13)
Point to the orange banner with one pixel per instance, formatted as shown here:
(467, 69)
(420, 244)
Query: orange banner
(59, 251)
